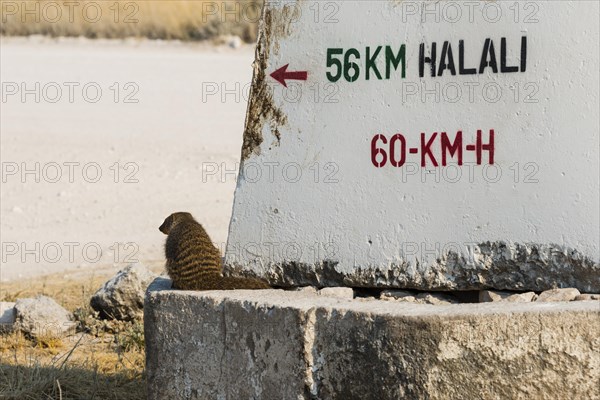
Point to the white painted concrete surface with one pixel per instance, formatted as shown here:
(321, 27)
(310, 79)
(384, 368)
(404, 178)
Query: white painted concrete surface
(315, 195)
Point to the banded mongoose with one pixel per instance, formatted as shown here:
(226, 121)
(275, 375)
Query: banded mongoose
(193, 261)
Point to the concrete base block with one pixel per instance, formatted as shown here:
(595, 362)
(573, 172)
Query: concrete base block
(275, 344)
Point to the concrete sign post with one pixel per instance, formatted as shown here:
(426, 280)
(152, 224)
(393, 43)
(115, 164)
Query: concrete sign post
(433, 145)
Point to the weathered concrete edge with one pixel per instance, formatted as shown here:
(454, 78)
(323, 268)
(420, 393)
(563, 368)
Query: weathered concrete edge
(304, 301)
(492, 265)
(317, 313)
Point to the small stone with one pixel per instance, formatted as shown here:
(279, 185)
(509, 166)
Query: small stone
(235, 42)
(486, 296)
(587, 296)
(437, 299)
(566, 294)
(7, 316)
(42, 316)
(306, 289)
(522, 297)
(366, 299)
(421, 298)
(402, 295)
(339, 292)
(122, 297)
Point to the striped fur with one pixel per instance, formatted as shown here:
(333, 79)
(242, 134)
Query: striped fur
(193, 261)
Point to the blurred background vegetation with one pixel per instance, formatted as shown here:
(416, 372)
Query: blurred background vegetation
(154, 19)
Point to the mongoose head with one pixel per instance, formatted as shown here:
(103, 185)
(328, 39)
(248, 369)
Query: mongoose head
(173, 220)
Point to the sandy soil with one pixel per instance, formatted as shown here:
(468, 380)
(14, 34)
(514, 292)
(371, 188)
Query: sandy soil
(57, 217)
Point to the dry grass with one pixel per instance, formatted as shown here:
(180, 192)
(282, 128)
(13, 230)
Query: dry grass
(70, 292)
(94, 374)
(103, 360)
(155, 19)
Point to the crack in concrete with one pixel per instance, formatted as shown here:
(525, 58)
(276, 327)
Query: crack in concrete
(311, 379)
(224, 330)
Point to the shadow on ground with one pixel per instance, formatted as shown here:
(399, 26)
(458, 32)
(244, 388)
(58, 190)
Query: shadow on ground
(34, 381)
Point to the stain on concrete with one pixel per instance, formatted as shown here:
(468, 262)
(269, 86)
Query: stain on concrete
(492, 265)
(275, 24)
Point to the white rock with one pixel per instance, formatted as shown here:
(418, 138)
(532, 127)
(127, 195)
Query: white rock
(494, 295)
(234, 42)
(7, 316)
(306, 289)
(566, 294)
(587, 296)
(420, 298)
(340, 292)
(42, 316)
(522, 297)
(486, 296)
(435, 299)
(122, 297)
(397, 295)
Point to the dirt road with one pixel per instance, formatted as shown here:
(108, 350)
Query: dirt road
(101, 140)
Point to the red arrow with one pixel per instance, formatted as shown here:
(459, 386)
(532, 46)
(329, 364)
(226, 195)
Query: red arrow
(281, 75)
